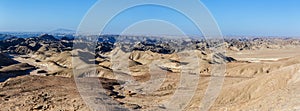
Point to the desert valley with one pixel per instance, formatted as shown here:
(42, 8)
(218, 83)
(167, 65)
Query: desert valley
(144, 73)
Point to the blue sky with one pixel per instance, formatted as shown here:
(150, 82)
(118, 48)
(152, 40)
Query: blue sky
(235, 17)
(257, 17)
(42, 15)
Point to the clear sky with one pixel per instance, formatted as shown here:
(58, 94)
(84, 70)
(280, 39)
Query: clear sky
(42, 15)
(235, 17)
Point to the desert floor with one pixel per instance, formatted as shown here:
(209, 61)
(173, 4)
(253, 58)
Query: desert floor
(260, 80)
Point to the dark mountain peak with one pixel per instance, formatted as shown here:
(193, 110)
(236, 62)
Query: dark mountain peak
(67, 38)
(47, 37)
(6, 60)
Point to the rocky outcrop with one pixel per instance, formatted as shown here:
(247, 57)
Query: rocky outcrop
(40, 93)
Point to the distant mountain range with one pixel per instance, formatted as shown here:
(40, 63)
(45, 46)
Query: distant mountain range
(63, 31)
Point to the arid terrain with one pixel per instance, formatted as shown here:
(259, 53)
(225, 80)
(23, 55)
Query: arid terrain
(142, 73)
